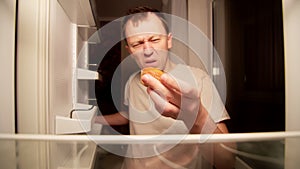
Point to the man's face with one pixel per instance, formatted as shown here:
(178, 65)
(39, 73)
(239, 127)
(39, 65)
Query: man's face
(148, 42)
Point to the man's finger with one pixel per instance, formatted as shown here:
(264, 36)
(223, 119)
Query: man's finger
(179, 86)
(163, 106)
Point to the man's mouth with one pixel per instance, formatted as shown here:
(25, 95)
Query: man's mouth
(151, 63)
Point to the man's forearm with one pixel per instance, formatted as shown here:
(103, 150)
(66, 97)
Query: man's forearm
(204, 124)
(112, 119)
(214, 153)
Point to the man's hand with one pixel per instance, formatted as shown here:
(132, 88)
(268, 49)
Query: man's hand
(179, 100)
(174, 98)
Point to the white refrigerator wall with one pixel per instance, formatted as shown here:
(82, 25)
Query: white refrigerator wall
(7, 55)
(7, 103)
(32, 66)
(62, 55)
(291, 15)
(46, 55)
(48, 45)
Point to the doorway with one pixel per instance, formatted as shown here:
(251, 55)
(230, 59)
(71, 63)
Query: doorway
(251, 46)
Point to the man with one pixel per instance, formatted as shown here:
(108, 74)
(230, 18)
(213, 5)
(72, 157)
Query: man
(179, 103)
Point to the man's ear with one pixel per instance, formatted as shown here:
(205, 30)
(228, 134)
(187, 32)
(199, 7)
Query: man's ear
(170, 37)
(128, 50)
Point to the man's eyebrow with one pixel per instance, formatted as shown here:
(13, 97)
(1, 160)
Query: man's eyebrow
(154, 36)
(147, 38)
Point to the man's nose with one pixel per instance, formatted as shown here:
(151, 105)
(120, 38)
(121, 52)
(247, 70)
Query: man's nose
(147, 48)
(147, 45)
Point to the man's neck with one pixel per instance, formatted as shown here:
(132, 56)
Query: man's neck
(169, 65)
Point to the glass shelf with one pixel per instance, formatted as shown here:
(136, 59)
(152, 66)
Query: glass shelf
(253, 150)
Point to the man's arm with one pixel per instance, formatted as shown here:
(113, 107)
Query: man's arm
(205, 125)
(214, 153)
(112, 119)
(184, 103)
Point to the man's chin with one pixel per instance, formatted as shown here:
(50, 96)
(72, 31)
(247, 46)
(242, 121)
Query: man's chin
(154, 65)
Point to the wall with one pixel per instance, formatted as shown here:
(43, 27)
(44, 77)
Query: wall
(32, 79)
(7, 102)
(292, 59)
(200, 15)
(291, 14)
(32, 60)
(7, 55)
(44, 74)
(62, 55)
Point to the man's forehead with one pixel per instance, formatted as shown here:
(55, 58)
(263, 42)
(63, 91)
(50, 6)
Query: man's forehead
(150, 24)
(145, 35)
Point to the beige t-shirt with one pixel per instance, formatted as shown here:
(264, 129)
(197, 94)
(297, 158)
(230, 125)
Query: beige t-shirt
(146, 120)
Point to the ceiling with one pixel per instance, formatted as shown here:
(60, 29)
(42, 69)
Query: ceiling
(107, 10)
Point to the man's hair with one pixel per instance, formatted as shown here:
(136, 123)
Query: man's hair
(138, 14)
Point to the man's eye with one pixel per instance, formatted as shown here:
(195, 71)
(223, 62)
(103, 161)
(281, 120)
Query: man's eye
(136, 45)
(155, 40)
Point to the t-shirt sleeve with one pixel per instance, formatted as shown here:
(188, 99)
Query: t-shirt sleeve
(126, 94)
(212, 101)
(127, 89)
